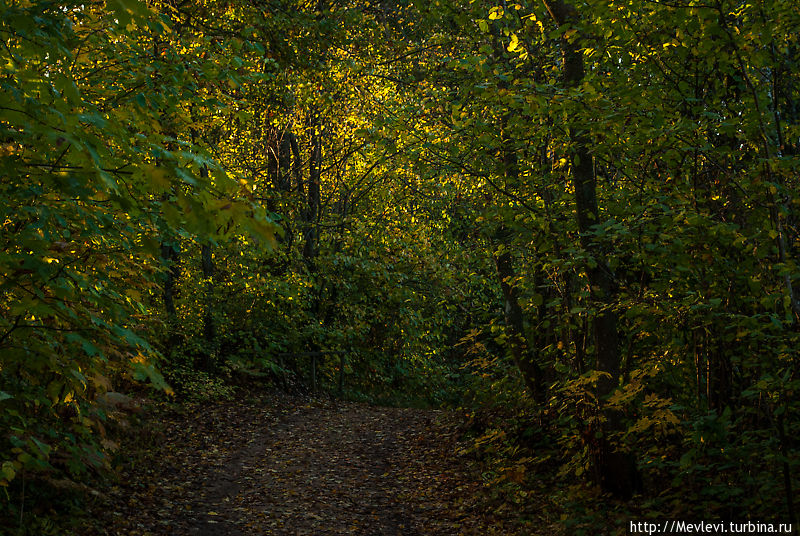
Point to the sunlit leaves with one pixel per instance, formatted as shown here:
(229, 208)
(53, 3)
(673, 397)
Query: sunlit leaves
(97, 152)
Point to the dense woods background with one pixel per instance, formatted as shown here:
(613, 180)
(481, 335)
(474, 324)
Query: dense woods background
(578, 222)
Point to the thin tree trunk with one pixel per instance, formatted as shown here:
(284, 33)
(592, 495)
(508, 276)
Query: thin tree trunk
(313, 207)
(170, 254)
(297, 166)
(310, 248)
(209, 324)
(522, 353)
(341, 373)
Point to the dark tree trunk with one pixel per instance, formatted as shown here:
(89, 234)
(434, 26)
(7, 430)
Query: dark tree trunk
(170, 254)
(209, 324)
(312, 233)
(297, 163)
(616, 471)
(313, 206)
(284, 162)
(522, 351)
(284, 168)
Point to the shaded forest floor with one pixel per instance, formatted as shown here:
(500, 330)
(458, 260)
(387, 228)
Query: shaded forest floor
(288, 465)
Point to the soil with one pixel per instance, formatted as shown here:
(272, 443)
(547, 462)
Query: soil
(295, 466)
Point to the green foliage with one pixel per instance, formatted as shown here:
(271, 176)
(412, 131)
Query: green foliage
(93, 172)
(324, 198)
(678, 108)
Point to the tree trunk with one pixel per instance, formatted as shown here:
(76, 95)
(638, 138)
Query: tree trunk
(312, 233)
(209, 324)
(522, 352)
(313, 207)
(207, 361)
(341, 373)
(170, 254)
(615, 471)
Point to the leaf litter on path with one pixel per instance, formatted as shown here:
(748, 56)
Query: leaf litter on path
(297, 466)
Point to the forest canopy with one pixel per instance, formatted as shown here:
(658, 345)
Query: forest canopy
(577, 221)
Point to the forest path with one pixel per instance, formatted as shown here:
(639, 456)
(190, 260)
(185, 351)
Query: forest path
(298, 467)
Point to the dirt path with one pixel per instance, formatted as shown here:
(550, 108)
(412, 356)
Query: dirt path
(298, 467)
